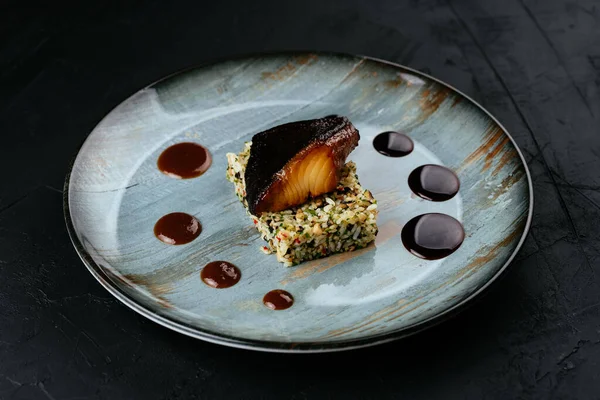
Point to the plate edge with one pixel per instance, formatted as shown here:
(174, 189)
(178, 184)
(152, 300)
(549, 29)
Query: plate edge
(301, 347)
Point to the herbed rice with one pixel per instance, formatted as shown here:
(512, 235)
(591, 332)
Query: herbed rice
(336, 222)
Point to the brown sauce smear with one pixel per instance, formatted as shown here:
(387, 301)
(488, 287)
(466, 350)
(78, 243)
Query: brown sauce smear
(177, 228)
(434, 182)
(278, 299)
(184, 160)
(393, 144)
(220, 274)
(432, 236)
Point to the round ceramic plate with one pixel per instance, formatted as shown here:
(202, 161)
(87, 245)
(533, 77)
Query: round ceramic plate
(115, 194)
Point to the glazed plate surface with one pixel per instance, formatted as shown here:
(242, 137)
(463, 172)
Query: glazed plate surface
(115, 194)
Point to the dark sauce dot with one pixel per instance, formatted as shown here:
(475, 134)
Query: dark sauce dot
(434, 182)
(177, 228)
(432, 236)
(220, 274)
(184, 160)
(393, 144)
(278, 299)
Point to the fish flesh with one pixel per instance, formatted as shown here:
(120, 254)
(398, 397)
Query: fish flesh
(293, 162)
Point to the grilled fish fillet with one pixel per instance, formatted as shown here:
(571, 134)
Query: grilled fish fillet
(290, 163)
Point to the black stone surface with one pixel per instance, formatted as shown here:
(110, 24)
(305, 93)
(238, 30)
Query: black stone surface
(534, 64)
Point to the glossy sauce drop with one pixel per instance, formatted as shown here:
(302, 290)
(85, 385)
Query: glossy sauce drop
(177, 228)
(393, 144)
(434, 182)
(432, 236)
(184, 160)
(220, 274)
(278, 299)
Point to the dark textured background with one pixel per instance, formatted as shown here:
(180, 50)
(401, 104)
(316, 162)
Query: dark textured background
(535, 64)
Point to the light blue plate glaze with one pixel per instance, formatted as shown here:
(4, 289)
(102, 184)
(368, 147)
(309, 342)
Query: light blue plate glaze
(115, 193)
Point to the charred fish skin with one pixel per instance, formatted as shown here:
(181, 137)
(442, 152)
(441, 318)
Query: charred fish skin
(295, 161)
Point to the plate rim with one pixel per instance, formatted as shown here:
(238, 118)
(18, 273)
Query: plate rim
(291, 347)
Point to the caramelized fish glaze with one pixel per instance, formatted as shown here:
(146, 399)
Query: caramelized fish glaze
(295, 161)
